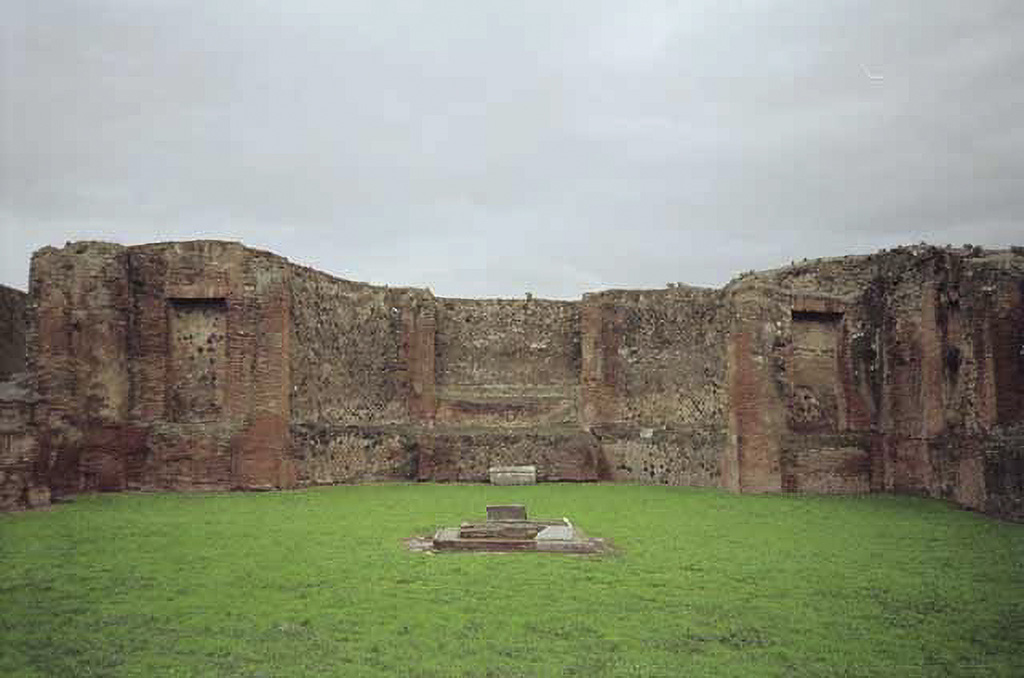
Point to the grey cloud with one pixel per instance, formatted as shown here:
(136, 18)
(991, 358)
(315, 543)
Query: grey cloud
(493, 149)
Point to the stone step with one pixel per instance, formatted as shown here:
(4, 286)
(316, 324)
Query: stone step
(506, 512)
(505, 529)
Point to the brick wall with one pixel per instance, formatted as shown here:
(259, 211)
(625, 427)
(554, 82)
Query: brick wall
(23, 478)
(900, 371)
(362, 369)
(209, 365)
(653, 382)
(13, 324)
(507, 362)
(161, 366)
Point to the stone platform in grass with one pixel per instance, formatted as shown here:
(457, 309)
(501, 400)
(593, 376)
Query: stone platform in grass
(515, 534)
(513, 475)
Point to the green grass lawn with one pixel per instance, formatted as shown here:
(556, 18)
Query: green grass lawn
(318, 582)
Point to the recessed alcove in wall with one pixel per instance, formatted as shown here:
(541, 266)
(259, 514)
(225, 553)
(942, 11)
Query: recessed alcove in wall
(1007, 333)
(197, 365)
(814, 372)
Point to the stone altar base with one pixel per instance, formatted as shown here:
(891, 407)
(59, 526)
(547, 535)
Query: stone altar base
(516, 535)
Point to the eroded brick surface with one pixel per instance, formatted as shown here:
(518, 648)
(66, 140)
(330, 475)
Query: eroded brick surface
(927, 346)
(209, 365)
(466, 455)
(13, 322)
(653, 382)
(161, 366)
(356, 353)
(507, 362)
(23, 472)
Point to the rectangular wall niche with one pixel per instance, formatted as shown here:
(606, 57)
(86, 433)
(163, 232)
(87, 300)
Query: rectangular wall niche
(1007, 331)
(814, 372)
(198, 365)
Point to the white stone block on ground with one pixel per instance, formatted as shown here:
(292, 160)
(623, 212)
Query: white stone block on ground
(513, 475)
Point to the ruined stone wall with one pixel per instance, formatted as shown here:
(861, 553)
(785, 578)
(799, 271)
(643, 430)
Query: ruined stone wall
(803, 377)
(362, 367)
(161, 366)
(13, 325)
(78, 359)
(755, 378)
(953, 374)
(395, 384)
(899, 371)
(806, 376)
(23, 477)
(23, 483)
(210, 331)
(653, 373)
(507, 362)
(466, 454)
(350, 360)
(212, 365)
(507, 374)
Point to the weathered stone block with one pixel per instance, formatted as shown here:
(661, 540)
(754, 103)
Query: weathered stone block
(506, 512)
(513, 475)
(557, 533)
(503, 529)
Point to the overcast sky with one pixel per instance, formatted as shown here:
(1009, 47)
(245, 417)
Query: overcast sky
(487, 148)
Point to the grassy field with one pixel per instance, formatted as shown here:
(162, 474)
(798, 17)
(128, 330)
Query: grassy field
(318, 582)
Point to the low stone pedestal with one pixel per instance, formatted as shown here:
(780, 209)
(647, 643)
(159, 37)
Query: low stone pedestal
(506, 512)
(511, 534)
(513, 475)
